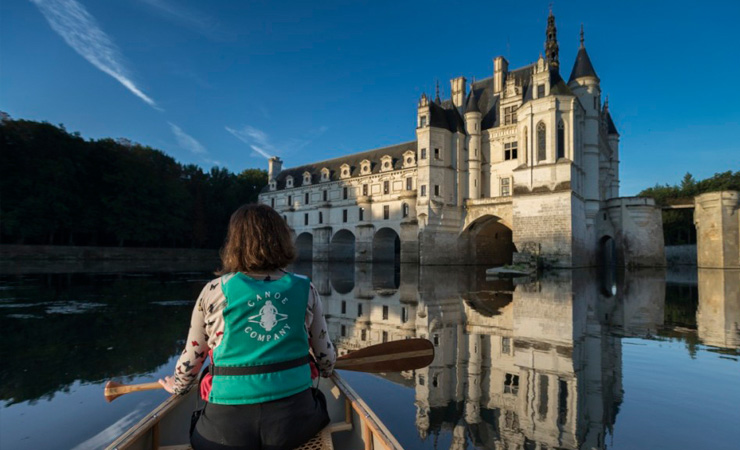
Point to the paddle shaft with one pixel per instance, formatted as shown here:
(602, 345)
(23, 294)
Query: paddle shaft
(395, 356)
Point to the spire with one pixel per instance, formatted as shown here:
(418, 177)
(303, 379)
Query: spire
(551, 43)
(436, 99)
(472, 104)
(582, 67)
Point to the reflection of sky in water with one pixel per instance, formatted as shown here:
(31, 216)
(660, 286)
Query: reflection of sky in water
(652, 365)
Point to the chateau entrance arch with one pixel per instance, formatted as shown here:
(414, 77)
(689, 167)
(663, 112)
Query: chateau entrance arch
(304, 247)
(488, 241)
(386, 246)
(342, 246)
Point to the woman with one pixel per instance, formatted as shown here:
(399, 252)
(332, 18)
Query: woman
(257, 323)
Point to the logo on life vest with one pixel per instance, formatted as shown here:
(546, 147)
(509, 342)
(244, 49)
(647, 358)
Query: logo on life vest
(268, 316)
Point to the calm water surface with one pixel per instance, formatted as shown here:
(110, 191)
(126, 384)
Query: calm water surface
(574, 360)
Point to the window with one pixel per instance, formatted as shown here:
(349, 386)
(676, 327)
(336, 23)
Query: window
(405, 210)
(543, 397)
(421, 380)
(541, 142)
(385, 336)
(385, 312)
(363, 335)
(436, 190)
(305, 219)
(364, 189)
(505, 187)
(386, 187)
(306, 198)
(510, 115)
(540, 90)
(362, 214)
(423, 121)
(436, 153)
(285, 218)
(511, 420)
(344, 330)
(359, 310)
(404, 315)
(321, 217)
(435, 380)
(510, 150)
(511, 384)
(435, 339)
(409, 184)
(562, 401)
(386, 212)
(272, 202)
(561, 140)
(289, 182)
(326, 195)
(506, 346)
(423, 190)
(290, 200)
(423, 154)
(344, 307)
(344, 215)
(345, 193)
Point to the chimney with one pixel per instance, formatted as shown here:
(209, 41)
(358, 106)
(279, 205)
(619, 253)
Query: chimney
(458, 91)
(275, 165)
(500, 68)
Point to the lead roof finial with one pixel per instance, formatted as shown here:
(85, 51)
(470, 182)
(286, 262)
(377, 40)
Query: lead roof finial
(582, 35)
(436, 99)
(551, 41)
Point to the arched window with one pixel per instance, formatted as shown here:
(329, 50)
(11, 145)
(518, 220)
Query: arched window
(561, 140)
(541, 142)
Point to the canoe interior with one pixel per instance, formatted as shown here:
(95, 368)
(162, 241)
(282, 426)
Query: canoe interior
(353, 425)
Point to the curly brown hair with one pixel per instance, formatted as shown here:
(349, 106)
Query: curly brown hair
(258, 240)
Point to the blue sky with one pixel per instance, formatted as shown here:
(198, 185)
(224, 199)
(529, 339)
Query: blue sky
(219, 82)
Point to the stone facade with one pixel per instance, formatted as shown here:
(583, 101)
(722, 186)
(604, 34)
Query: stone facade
(717, 220)
(522, 163)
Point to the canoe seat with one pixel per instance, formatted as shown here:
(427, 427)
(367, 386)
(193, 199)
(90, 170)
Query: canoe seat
(322, 441)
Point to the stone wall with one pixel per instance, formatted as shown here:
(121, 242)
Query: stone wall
(717, 229)
(638, 225)
(545, 220)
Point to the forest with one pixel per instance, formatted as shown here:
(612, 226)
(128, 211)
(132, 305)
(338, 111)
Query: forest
(678, 224)
(57, 188)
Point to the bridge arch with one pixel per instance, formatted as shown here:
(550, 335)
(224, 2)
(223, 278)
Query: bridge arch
(342, 246)
(488, 241)
(304, 247)
(386, 245)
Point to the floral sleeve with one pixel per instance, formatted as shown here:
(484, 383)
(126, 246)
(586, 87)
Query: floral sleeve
(196, 348)
(318, 335)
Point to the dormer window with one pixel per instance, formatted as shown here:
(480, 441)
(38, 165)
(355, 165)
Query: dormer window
(386, 163)
(273, 185)
(344, 171)
(409, 158)
(289, 181)
(325, 174)
(422, 121)
(510, 115)
(365, 167)
(306, 178)
(540, 90)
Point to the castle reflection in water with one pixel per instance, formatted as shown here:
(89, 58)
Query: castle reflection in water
(529, 364)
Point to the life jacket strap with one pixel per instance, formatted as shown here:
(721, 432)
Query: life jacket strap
(264, 368)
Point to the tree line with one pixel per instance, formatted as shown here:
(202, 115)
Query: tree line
(678, 224)
(58, 188)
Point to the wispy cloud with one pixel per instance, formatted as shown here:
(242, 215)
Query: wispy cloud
(186, 141)
(262, 144)
(80, 30)
(190, 18)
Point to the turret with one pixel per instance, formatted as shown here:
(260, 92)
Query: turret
(473, 118)
(274, 167)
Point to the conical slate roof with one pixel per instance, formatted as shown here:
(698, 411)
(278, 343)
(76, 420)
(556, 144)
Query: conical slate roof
(582, 66)
(472, 104)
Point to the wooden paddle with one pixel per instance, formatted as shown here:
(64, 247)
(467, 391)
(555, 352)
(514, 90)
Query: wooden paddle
(395, 356)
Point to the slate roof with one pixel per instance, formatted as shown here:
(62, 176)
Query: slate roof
(610, 127)
(472, 103)
(582, 67)
(354, 160)
(445, 115)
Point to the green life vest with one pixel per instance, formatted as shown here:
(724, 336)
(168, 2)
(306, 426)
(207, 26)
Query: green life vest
(263, 355)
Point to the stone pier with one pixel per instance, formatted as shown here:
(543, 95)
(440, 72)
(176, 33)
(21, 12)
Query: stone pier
(717, 220)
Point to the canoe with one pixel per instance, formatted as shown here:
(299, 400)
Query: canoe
(353, 425)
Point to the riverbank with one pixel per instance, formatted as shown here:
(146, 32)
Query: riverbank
(74, 253)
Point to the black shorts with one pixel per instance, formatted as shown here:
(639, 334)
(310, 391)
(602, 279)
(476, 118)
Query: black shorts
(285, 423)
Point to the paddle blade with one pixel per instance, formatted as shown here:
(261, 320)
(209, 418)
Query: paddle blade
(395, 356)
(110, 391)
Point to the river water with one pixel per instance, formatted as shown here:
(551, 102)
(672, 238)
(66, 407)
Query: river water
(572, 360)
